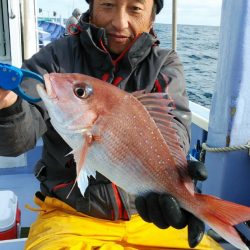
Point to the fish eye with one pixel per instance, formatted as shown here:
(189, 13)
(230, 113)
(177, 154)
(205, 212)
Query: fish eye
(80, 92)
(83, 91)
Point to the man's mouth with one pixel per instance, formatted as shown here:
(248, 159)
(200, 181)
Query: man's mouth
(118, 37)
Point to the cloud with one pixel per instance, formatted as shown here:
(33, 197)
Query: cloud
(63, 8)
(194, 12)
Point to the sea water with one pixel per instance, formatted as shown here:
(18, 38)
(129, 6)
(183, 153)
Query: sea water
(197, 47)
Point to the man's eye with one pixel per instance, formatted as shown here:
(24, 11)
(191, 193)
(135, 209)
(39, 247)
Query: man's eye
(136, 9)
(107, 5)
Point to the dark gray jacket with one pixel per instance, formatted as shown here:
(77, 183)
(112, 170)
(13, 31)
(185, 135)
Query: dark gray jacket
(143, 66)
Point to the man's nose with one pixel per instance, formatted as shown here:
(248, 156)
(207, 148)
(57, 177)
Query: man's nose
(120, 20)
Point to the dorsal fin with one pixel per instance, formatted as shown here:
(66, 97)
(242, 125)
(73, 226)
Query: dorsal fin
(159, 106)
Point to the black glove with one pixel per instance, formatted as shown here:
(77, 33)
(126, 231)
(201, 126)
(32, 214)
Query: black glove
(164, 210)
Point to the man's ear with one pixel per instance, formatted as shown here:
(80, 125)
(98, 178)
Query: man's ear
(151, 26)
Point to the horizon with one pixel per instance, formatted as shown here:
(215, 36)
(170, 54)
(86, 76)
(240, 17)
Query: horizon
(184, 24)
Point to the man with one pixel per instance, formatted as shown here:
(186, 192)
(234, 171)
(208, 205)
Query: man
(72, 21)
(115, 43)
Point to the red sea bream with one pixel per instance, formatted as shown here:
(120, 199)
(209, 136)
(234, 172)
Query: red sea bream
(131, 139)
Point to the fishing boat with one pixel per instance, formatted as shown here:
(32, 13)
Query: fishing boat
(220, 135)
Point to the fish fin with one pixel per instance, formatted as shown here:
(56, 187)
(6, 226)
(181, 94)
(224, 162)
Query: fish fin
(83, 178)
(138, 93)
(159, 107)
(188, 183)
(70, 153)
(222, 215)
(80, 156)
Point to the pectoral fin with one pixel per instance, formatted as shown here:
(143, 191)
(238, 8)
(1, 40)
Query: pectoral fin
(80, 157)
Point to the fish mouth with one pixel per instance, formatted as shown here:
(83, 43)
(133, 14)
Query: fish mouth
(46, 91)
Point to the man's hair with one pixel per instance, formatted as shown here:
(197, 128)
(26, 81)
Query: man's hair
(90, 7)
(153, 14)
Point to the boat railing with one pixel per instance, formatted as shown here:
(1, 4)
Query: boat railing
(200, 115)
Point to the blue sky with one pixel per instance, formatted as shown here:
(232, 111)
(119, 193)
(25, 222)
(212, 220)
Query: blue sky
(195, 12)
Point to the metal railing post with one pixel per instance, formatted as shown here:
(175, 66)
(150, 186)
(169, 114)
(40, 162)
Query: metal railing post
(174, 24)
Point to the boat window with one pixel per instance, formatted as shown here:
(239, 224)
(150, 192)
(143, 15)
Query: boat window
(4, 32)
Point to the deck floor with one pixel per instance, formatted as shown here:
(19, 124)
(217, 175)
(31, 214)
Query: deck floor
(24, 186)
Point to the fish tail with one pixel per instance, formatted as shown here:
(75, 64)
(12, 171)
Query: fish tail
(222, 216)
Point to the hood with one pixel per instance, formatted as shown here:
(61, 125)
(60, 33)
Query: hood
(76, 13)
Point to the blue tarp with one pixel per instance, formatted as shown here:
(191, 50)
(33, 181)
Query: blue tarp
(49, 31)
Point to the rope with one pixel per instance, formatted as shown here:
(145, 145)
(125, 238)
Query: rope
(226, 149)
(205, 148)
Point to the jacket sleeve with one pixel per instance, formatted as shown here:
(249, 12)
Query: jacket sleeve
(23, 123)
(19, 130)
(171, 80)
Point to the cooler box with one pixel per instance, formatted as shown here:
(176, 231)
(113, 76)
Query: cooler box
(10, 216)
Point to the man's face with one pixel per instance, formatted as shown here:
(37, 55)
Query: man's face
(123, 20)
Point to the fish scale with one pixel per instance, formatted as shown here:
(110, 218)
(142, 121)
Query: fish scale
(135, 150)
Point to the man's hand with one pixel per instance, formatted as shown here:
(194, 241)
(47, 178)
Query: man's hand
(7, 98)
(164, 210)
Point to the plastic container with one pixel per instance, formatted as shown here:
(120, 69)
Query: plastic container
(10, 216)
